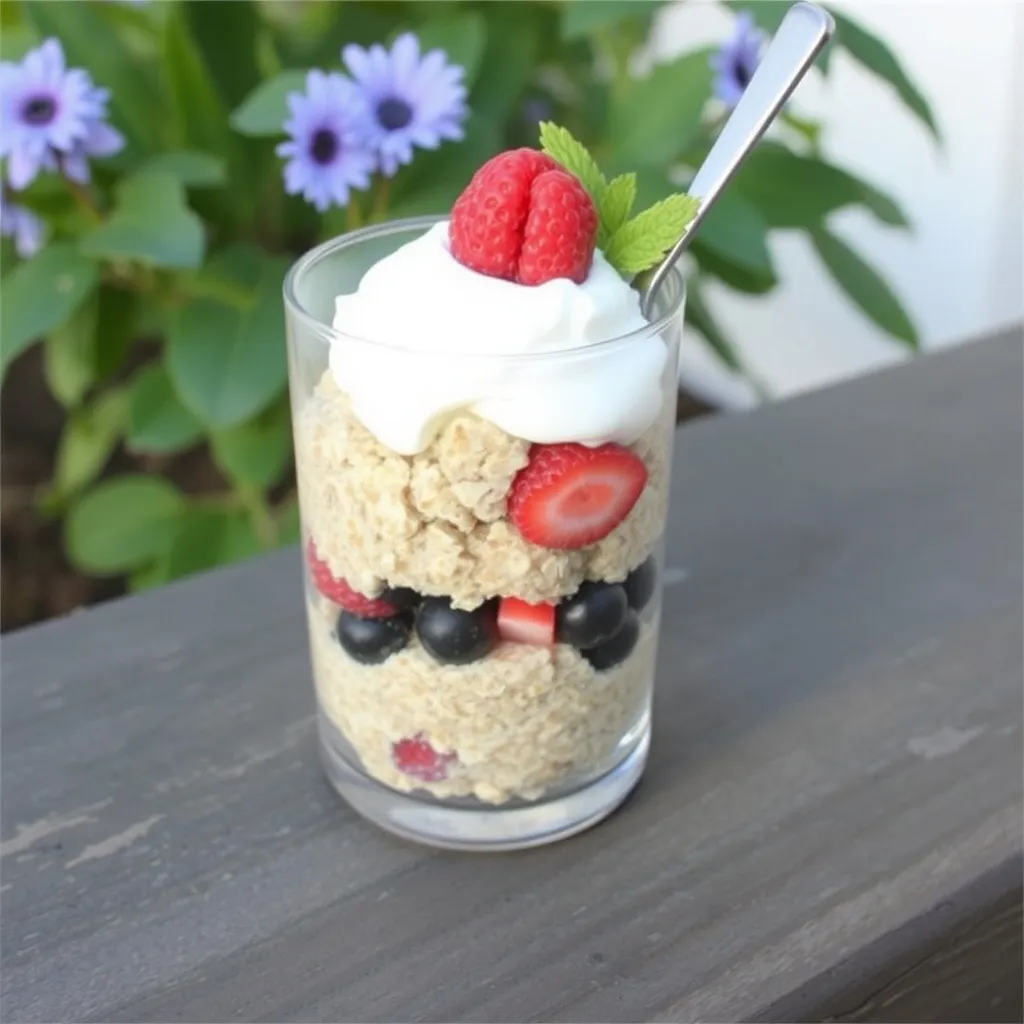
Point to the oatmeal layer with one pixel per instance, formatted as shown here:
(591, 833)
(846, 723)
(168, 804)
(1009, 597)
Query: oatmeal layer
(435, 521)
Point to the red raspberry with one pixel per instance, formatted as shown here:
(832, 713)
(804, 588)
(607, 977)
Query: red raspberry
(338, 591)
(524, 218)
(416, 757)
(560, 232)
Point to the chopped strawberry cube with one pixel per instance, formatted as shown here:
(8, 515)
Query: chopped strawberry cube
(523, 623)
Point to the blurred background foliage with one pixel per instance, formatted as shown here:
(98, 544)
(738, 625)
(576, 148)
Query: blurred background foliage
(153, 311)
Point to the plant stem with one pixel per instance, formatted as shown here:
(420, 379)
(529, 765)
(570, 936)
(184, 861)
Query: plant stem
(264, 525)
(382, 193)
(353, 215)
(83, 197)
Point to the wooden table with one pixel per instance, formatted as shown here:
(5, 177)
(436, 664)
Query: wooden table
(830, 825)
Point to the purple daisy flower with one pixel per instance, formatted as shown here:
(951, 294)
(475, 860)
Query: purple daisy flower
(49, 113)
(21, 224)
(413, 100)
(736, 61)
(327, 154)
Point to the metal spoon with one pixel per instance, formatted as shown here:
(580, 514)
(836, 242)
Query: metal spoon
(800, 37)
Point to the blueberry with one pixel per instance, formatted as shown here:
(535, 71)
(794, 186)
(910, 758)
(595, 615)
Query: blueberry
(453, 636)
(372, 641)
(619, 648)
(640, 584)
(594, 614)
(401, 598)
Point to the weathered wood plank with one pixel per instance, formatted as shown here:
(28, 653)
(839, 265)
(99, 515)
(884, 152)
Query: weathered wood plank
(837, 754)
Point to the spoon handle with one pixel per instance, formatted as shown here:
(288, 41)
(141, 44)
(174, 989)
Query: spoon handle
(800, 37)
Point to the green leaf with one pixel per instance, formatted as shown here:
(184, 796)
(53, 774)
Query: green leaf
(437, 177)
(794, 191)
(88, 42)
(462, 38)
(69, 355)
(233, 67)
(699, 317)
(195, 107)
(40, 294)
(158, 422)
(87, 442)
(16, 41)
(264, 110)
(870, 51)
(581, 17)
(865, 287)
(189, 167)
(653, 119)
(122, 523)
(616, 206)
(257, 452)
(206, 538)
(229, 363)
(559, 144)
(641, 242)
(151, 223)
(741, 279)
(736, 230)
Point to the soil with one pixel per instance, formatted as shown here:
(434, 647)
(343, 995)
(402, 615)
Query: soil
(36, 580)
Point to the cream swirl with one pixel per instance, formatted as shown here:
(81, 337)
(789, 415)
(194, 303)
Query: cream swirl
(423, 336)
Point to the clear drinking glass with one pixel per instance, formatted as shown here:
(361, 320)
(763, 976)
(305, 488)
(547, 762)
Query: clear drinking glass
(527, 744)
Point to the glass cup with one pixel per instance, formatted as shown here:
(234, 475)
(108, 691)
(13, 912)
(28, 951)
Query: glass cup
(509, 744)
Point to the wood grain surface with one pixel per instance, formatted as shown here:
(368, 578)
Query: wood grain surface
(836, 766)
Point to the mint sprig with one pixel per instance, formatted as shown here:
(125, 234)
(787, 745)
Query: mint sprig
(629, 244)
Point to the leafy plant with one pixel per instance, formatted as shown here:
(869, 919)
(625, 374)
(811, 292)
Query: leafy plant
(154, 286)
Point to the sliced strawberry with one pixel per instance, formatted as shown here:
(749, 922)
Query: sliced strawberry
(338, 591)
(520, 622)
(416, 757)
(568, 496)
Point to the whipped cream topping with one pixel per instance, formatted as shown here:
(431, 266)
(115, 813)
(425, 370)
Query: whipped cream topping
(444, 338)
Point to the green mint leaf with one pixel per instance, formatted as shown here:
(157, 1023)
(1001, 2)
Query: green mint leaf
(641, 242)
(616, 206)
(559, 144)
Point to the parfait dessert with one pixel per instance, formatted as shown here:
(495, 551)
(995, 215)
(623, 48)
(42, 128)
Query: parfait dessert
(483, 428)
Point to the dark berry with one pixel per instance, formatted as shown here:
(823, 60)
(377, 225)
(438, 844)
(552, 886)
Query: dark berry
(619, 648)
(594, 614)
(640, 584)
(372, 641)
(454, 636)
(402, 598)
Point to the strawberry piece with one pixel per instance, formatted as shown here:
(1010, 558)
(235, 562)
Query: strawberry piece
(524, 218)
(560, 231)
(338, 591)
(520, 622)
(416, 757)
(568, 496)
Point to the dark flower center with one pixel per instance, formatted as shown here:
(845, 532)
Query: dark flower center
(324, 147)
(393, 113)
(743, 73)
(39, 110)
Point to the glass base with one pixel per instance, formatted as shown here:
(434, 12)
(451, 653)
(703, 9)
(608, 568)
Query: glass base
(477, 828)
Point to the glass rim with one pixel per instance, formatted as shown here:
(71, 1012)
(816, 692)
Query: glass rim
(673, 291)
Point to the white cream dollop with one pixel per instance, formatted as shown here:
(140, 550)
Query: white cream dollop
(442, 338)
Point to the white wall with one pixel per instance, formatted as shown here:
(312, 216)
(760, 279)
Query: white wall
(960, 273)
